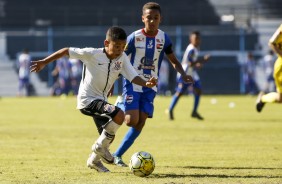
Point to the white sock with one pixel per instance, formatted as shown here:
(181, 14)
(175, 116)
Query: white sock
(108, 134)
(112, 127)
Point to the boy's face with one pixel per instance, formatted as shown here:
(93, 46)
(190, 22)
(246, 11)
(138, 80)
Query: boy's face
(114, 48)
(151, 19)
(195, 40)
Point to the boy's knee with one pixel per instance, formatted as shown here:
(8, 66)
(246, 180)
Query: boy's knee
(119, 117)
(130, 121)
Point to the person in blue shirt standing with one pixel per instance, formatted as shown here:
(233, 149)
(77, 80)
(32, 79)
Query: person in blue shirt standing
(146, 48)
(190, 64)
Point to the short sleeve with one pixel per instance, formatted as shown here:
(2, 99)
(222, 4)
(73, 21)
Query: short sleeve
(168, 45)
(191, 55)
(128, 71)
(130, 46)
(84, 54)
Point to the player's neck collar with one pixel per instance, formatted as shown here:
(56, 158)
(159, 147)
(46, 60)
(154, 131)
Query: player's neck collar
(152, 36)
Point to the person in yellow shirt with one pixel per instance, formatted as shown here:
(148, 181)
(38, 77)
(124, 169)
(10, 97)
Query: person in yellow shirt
(273, 97)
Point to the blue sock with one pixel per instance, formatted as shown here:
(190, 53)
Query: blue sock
(127, 141)
(173, 102)
(196, 102)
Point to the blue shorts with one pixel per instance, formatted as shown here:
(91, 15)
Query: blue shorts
(23, 82)
(182, 87)
(142, 101)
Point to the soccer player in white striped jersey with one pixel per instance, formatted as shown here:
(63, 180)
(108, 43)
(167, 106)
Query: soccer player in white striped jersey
(191, 64)
(102, 67)
(146, 48)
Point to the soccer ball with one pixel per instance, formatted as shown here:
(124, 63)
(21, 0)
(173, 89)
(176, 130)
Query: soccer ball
(142, 164)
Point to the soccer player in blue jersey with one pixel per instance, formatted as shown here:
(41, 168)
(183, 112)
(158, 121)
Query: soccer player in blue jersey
(146, 48)
(191, 64)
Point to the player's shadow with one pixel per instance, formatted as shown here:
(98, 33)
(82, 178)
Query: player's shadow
(173, 175)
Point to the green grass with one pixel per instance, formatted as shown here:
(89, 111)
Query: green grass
(46, 140)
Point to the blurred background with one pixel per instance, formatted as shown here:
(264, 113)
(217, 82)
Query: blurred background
(230, 31)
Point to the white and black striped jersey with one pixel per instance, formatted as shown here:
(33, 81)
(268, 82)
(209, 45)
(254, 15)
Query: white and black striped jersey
(99, 73)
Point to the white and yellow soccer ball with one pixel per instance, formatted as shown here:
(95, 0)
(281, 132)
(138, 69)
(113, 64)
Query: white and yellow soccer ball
(142, 164)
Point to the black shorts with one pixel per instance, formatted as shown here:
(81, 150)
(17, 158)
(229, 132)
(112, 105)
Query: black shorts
(100, 109)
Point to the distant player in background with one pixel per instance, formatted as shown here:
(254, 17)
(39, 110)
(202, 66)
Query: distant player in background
(24, 60)
(63, 70)
(273, 97)
(163, 78)
(249, 75)
(191, 64)
(102, 66)
(76, 71)
(269, 60)
(146, 48)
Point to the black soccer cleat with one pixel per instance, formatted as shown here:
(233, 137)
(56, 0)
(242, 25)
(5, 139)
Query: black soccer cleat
(259, 106)
(196, 115)
(259, 103)
(170, 115)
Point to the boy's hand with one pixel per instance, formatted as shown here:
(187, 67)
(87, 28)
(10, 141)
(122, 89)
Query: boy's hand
(36, 66)
(206, 57)
(152, 82)
(188, 79)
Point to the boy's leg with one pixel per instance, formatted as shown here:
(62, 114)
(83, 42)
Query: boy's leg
(181, 88)
(197, 95)
(100, 122)
(102, 144)
(136, 119)
(100, 109)
(273, 97)
(126, 143)
(94, 160)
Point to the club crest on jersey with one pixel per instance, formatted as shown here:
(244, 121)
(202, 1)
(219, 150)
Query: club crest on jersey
(160, 46)
(109, 108)
(129, 99)
(150, 45)
(117, 65)
(147, 64)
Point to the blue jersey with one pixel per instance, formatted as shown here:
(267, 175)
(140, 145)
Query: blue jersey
(146, 54)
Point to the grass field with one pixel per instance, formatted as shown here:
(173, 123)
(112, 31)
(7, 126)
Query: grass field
(46, 140)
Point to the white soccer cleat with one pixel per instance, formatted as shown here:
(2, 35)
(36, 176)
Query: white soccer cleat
(104, 153)
(98, 166)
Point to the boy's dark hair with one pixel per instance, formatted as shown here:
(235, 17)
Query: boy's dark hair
(197, 33)
(116, 33)
(152, 6)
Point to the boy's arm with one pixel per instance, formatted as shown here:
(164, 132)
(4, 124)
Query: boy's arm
(276, 48)
(149, 83)
(200, 61)
(36, 66)
(178, 67)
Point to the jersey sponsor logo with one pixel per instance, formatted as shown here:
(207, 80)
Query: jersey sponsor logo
(147, 64)
(159, 41)
(129, 99)
(150, 45)
(140, 47)
(109, 108)
(140, 39)
(117, 65)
